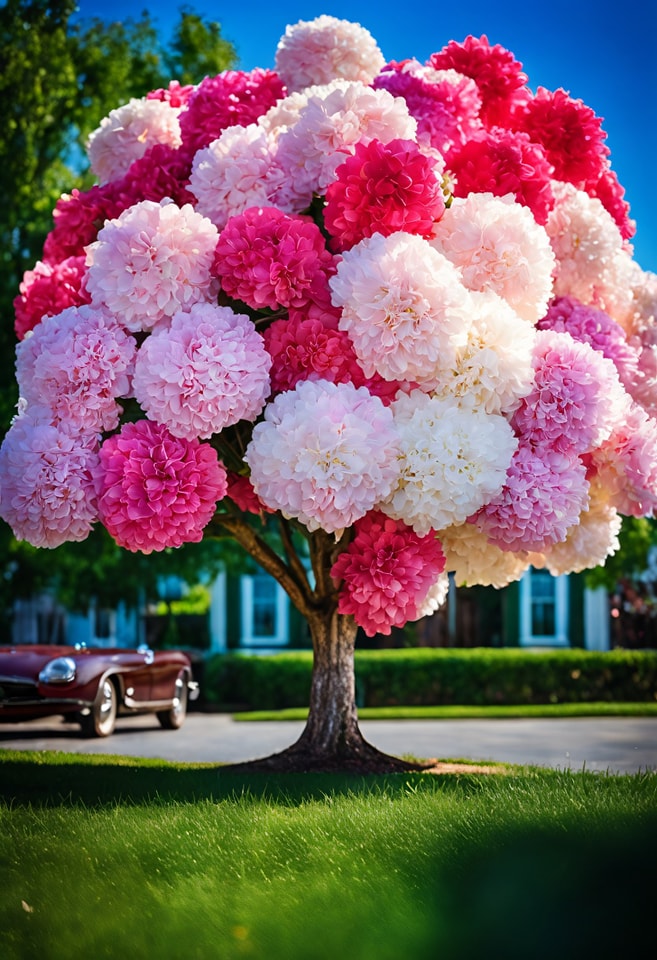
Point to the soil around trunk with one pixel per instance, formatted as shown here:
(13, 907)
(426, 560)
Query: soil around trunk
(363, 759)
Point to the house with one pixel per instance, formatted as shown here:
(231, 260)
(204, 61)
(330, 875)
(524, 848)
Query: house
(251, 612)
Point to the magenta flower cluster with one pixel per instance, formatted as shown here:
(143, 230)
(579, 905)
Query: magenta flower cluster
(393, 302)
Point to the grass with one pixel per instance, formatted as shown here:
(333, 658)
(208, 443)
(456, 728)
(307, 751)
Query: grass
(110, 857)
(459, 712)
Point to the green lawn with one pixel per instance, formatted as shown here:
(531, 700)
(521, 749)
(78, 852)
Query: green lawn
(110, 857)
(459, 712)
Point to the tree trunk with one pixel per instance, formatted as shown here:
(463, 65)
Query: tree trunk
(332, 740)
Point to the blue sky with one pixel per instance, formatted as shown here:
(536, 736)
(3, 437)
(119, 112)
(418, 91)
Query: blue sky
(601, 52)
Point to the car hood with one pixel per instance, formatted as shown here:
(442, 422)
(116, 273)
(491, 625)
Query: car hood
(27, 660)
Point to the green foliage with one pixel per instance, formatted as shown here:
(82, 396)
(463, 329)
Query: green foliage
(637, 537)
(195, 602)
(197, 49)
(428, 676)
(243, 682)
(161, 857)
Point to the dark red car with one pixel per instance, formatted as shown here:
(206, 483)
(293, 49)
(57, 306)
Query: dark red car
(94, 685)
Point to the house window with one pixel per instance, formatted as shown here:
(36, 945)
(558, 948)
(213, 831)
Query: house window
(543, 609)
(264, 612)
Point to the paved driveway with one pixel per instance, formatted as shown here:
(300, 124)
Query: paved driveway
(620, 745)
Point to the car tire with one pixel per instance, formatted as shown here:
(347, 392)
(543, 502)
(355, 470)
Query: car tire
(101, 719)
(174, 718)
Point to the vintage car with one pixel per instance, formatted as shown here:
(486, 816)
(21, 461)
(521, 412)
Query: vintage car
(94, 685)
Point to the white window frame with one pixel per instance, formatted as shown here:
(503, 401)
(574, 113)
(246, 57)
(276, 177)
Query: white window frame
(560, 636)
(247, 595)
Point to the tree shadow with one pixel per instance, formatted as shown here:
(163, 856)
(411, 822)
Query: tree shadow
(50, 779)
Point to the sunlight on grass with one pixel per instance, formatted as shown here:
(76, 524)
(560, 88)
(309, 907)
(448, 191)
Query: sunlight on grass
(464, 712)
(174, 860)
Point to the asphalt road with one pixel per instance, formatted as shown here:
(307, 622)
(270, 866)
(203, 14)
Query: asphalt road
(618, 745)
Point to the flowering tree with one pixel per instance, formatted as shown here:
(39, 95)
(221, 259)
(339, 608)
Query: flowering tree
(389, 310)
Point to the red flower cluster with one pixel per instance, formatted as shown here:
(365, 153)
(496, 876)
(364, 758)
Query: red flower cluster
(387, 571)
(383, 188)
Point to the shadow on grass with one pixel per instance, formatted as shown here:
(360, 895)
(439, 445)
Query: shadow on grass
(50, 779)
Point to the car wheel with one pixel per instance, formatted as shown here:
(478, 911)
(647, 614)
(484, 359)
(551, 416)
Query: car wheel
(174, 718)
(101, 719)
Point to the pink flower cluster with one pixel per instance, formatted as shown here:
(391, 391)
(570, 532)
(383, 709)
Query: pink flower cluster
(387, 571)
(395, 297)
(268, 259)
(543, 496)
(498, 75)
(204, 372)
(156, 490)
(445, 104)
(502, 161)
(77, 364)
(575, 397)
(233, 97)
(48, 470)
(47, 290)
(383, 188)
(152, 261)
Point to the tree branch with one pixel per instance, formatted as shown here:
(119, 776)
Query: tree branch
(324, 549)
(269, 560)
(292, 556)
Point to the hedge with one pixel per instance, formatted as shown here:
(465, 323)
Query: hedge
(426, 676)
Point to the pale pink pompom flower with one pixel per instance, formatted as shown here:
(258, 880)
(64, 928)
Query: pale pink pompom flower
(153, 260)
(206, 371)
(594, 326)
(155, 490)
(626, 463)
(236, 171)
(78, 363)
(324, 454)
(320, 50)
(328, 128)
(475, 561)
(128, 132)
(586, 243)
(493, 370)
(498, 246)
(386, 572)
(47, 493)
(576, 398)
(543, 496)
(403, 305)
(451, 462)
(286, 112)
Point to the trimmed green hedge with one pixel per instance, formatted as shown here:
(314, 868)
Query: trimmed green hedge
(426, 676)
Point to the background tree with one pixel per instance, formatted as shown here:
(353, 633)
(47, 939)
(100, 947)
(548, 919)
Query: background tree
(60, 77)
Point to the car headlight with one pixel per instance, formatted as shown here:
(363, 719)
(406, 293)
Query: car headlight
(61, 670)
